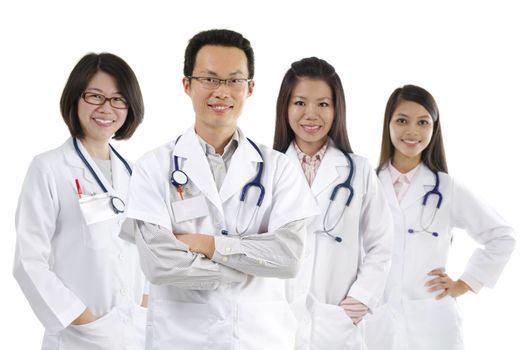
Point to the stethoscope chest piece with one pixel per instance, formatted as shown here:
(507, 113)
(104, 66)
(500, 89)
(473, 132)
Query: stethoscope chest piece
(179, 178)
(117, 204)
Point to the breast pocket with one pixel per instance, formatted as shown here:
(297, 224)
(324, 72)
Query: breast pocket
(189, 212)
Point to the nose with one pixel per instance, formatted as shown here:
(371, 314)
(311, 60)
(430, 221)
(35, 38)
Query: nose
(106, 106)
(311, 111)
(222, 91)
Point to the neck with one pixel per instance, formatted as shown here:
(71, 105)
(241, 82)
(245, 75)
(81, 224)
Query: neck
(218, 138)
(97, 149)
(310, 148)
(405, 164)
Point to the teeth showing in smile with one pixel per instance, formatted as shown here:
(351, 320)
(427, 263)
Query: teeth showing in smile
(311, 128)
(219, 108)
(104, 121)
(411, 142)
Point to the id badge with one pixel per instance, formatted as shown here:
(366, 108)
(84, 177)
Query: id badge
(190, 208)
(96, 208)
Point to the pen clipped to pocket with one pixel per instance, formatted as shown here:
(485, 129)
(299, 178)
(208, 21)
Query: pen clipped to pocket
(95, 208)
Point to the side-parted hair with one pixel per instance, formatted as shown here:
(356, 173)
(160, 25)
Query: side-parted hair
(127, 85)
(316, 69)
(434, 155)
(217, 37)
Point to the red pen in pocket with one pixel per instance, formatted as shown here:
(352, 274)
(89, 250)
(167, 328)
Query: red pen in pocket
(79, 189)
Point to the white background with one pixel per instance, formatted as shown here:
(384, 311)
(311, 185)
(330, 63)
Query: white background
(468, 54)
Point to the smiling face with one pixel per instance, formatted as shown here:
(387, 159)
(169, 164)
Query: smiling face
(99, 123)
(218, 109)
(311, 114)
(411, 128)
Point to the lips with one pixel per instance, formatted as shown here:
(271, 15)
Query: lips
(411, 143)
(103, 122)
(220, 108)
(311, 129)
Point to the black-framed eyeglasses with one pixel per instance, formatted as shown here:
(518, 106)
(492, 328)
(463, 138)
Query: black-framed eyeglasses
(214, 83)
(97, 99)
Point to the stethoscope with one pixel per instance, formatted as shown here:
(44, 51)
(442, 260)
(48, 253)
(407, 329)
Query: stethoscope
(117, 204)
(433, 192)
(179, 179)
(347, 185)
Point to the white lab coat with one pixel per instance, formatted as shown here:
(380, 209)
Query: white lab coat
(411, 318)
(252, 314)
(64, 266)
(357, 266)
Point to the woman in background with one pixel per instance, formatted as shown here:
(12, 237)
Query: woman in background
(420, 309)
(349, 245)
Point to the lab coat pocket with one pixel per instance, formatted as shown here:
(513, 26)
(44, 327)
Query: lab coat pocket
(434, 324)
(98, 235)
(137, 333)
(186, 324)
(333, 329)
(190, 208)
(96, 208)
(266, 325)
(102, 334)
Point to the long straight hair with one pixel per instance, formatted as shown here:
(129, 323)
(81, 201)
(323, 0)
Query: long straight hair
(318, 69)
(434, 155)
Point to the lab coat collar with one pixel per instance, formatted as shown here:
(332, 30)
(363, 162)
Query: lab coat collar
(242, 169)
(119, 173)
(192, 160)
(386, 179)
(327, 172)
(422, 182)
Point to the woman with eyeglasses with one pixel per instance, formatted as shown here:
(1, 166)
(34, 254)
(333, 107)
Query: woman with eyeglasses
(82, 281)
(419, 309)
(348, 245)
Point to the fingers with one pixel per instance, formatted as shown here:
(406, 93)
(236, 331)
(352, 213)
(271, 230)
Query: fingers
(443, 294)
(438, 280)
(437, 272)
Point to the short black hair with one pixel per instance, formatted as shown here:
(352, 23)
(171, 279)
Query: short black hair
(127, 84)
(217, 37)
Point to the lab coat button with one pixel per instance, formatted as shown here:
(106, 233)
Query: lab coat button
(122, 291)
(224, 259)
(121, 256)
(228, 249)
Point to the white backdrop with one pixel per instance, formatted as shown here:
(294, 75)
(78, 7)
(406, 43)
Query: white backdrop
(468, 54)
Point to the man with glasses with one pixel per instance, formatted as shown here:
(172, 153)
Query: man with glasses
(219, 221)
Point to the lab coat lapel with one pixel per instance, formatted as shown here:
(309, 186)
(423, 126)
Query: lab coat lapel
(120, 176)
(242, 169)
(388, 188)
(327, 173)
(192, 160)
(422, 182)
(82, 171)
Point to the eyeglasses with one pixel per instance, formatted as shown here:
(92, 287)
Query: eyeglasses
(214, 83)
(98, 100)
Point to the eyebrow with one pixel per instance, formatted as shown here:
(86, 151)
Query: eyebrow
(213, 74)
(98, 90)
(420, 117)
(319, 99)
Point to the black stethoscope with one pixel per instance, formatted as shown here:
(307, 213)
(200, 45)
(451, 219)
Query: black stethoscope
(433, 192)
(179, 179)
(347, 185)
(117, 204)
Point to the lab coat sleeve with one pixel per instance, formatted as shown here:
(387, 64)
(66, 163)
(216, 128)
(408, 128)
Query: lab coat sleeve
(487, 228)
(276, 253)
(53, 303)
(376, 233)
(167, 261)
